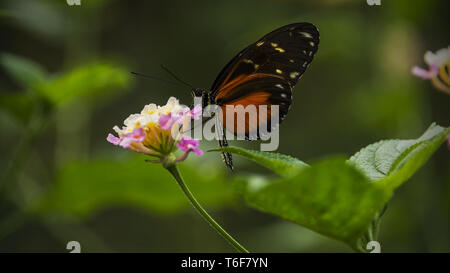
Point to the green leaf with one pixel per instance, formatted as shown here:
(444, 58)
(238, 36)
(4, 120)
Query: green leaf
(83, 188)
(23, 71)
(283, 165)
(90, 81)
(392, 162)
(331, 197)
(335, 197)
(412, 159)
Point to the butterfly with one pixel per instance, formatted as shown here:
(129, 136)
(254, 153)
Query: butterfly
(263, 73)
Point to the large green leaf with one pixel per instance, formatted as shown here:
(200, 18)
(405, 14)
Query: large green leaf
(85, 187)
(335, 197)
(332, 197)
(392, 162)
(283, 165)
(88, 81)
(23, 71)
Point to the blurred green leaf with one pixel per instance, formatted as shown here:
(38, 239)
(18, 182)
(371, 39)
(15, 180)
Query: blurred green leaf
(86, 187)
(90, 81)
(23, 71)
(19, 105)
(397, 160)
(399, 98)
(332, 198)
(281, 164)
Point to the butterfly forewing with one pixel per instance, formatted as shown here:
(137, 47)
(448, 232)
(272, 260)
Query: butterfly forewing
(284, 52)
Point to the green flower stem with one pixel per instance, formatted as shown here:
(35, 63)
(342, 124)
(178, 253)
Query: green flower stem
(173, 169)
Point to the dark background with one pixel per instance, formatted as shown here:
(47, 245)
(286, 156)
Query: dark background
(358, 90)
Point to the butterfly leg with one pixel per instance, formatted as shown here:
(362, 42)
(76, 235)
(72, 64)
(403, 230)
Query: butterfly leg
(226, 157)
(220, 132)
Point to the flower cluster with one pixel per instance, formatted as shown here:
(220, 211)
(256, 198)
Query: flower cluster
(438, 69)
(157, 130)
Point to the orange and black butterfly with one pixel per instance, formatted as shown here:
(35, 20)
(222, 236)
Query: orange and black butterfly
(264, 73)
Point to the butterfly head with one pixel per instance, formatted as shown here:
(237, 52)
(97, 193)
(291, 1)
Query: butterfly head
(202, 93)
(197, 92)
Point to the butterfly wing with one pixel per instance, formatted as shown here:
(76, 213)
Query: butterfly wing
(285, 52)
(246, 98)
(264, 73)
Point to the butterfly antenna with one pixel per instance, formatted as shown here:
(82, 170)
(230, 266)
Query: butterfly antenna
(176, 77)
(155, 78)
(191, 128)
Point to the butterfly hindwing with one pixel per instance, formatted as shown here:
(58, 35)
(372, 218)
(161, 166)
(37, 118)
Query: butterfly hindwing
(254, 90)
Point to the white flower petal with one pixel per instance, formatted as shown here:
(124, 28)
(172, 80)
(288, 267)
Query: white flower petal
(442, 55)
(172, 101)
(149, 109)
(437, 59)
(117, 129)
(133, 121)
(430, 58)
(149, 119)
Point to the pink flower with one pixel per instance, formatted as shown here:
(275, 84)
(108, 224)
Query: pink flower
(438, 66)
(125, 141)
(425, 74)
(196, 112)
(151, 132)
(187, 144)
(113, 139)
(166, 121)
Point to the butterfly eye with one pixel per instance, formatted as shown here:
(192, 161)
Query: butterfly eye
(197, 92)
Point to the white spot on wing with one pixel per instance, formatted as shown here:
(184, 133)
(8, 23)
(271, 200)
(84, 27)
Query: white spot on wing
(294, 74)
(305, 34)
(279, 86)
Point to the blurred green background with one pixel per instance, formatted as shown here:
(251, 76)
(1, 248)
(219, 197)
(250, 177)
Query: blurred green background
(65, 82)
